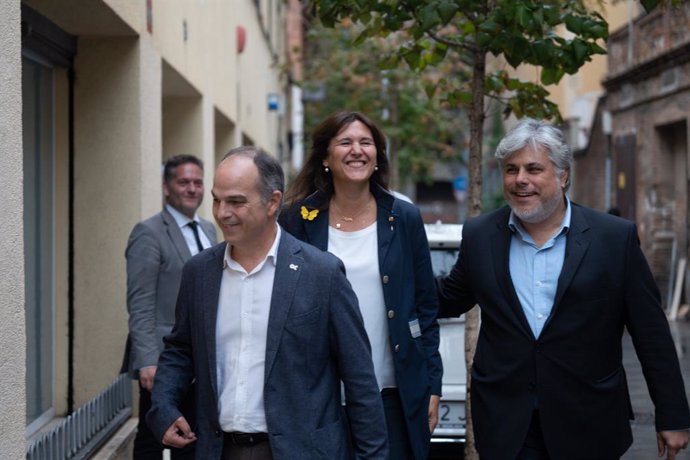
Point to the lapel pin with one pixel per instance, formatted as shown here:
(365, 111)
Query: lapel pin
(293, 267)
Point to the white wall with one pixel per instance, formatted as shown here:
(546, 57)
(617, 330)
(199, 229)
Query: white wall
(117, 183)
(12, 337)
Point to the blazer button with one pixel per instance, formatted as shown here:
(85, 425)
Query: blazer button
(391, 314)
(397, 348)
(385, 279)
(217, 433)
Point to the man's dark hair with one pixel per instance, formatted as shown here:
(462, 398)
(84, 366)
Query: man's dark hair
(178, 160)
(271, 176)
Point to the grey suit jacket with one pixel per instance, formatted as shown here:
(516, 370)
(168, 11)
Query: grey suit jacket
(156, 252)
(316, 338)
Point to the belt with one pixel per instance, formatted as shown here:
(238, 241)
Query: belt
(245, 439)
(389, 392)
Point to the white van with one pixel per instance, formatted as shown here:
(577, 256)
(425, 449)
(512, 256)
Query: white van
(444, 244)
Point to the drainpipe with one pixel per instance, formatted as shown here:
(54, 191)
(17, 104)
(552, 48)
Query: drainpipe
(70, 243)
(631, 31)
(606, 127)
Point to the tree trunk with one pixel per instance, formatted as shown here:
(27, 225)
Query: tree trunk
(475, 208)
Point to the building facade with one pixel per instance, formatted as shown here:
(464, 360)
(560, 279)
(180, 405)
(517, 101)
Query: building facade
(96, 94)
(639, 157)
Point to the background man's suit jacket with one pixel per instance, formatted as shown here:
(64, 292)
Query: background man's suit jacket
(574, 370)
(316, 338)
(156, 252)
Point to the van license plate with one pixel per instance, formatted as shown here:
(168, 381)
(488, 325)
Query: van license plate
(451, 415)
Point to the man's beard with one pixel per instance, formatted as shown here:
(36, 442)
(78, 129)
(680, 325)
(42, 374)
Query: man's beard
(538, 213)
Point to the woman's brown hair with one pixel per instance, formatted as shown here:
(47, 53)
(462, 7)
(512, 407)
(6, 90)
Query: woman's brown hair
(312, 177)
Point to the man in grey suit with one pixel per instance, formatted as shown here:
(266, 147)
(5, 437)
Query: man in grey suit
(268, 327)
(157, 249)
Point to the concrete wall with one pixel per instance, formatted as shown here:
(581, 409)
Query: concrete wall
(648, 96)
(656, 167)
(589, 171)
(256, 83)
(117, 173)
(139, 96)
(182, 126)
(138, 100)
(12, 336)
(224, 136)
(236, 84)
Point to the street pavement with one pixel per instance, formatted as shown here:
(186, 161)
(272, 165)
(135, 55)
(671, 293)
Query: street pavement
(644, 436)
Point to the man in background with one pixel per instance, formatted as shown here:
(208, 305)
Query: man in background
(157, 249)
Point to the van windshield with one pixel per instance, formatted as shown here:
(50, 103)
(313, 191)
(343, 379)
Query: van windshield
(443, 259)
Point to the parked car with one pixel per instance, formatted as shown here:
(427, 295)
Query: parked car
(444, 244)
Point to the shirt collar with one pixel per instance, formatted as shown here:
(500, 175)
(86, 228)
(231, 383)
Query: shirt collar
(180, 218)
(515, 225)
(271, 255)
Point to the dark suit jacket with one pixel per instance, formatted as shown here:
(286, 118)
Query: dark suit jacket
(156, 252)
(316, 338)
(409, 292)
(574, 369)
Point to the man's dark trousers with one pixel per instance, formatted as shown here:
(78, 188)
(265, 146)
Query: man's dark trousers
(146, 447)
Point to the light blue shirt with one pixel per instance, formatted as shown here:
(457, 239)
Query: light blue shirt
(535, 270)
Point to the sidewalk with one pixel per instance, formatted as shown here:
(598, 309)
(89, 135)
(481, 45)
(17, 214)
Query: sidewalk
(644, 436)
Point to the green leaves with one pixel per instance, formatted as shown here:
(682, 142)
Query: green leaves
(446, 11)
(429, 16)
(556, 36)
(649, 5)
(531, 100)
(551, 76)
(374, 78)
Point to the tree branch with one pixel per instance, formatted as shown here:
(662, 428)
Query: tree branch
(451, 43)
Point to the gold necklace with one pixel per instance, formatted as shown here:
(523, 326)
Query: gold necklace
(346, 218)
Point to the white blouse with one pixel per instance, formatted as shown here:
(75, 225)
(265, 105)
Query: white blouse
(359, 252)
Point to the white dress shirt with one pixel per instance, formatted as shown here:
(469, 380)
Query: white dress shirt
(241, 330)
(187, 231)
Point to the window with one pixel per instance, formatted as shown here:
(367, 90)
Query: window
(47, 51)
(37, 93)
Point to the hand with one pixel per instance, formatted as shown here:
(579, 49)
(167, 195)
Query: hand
(672, 442)
(146, 376)
(179, 434)
(433, 412)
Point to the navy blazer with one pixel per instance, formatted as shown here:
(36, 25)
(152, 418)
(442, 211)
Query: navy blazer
(409, 292)
(574, 369)
(316, 339)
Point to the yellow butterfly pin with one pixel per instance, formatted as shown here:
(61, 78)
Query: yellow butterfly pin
(307, 214)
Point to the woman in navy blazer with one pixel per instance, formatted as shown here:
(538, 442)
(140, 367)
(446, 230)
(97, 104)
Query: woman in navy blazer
(340, 202)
